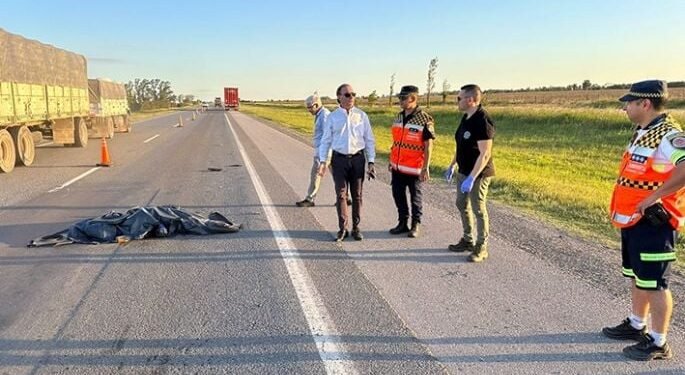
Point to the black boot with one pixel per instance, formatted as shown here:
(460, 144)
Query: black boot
(400, 228)
(414, 232)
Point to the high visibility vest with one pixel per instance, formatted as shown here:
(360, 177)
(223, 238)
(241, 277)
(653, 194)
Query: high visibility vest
(638, 179)
(406, 153)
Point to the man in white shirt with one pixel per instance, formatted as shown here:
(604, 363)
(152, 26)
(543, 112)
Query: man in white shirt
(320, 113)
(347, 132)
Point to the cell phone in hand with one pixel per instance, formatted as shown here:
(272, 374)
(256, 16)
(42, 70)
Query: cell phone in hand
(657, 215)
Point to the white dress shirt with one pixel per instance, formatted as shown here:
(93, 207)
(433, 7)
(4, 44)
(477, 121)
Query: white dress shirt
(348, 133)
(319, 121)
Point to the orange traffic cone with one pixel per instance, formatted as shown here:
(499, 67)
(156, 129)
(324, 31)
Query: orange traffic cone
(104, 155)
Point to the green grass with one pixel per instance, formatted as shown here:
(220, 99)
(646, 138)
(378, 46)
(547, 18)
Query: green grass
(556, 163)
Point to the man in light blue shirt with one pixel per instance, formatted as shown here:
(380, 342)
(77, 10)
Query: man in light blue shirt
(320, 113)
(347, 133)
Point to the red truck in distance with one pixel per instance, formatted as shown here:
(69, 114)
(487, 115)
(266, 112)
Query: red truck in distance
(231, 99)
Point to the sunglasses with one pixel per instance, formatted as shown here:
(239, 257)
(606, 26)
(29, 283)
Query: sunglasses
(350, 94)
(402, 97)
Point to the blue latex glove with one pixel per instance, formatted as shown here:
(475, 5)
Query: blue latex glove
(448, 174)
(467, 185)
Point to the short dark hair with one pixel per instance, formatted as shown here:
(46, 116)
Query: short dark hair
(473, 91)
(337, 92)
(658, 103)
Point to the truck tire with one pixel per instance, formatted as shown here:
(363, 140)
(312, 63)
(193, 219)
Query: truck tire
(7, 153)
(110, 127)
(23, 143)
(80, 132)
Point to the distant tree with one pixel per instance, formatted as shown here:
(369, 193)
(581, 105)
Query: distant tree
(149, 93)
(372, 98)
(430, 83)
(445, 91)
(586, 84)
(392, 88)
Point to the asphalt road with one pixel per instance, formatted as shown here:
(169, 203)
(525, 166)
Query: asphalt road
(280, 296)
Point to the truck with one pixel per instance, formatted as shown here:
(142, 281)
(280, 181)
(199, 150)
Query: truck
(45, 91)
(231, 99)
(217, 102)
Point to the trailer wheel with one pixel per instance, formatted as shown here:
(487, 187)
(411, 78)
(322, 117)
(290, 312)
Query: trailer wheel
(23, 142)
(110, 127)
(80, 132)
(7, 153)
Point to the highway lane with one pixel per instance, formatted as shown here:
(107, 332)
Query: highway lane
(212, 304)
(56, 164)
(520, 312)
(226, 304)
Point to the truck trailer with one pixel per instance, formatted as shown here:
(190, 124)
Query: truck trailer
(45, 90)
(231, 99)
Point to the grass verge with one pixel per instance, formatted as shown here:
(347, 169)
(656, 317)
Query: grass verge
(558, 164)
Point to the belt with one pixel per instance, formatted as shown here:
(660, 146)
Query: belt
(360, 152)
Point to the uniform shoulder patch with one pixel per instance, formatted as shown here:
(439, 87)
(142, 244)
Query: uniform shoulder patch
(677, 140)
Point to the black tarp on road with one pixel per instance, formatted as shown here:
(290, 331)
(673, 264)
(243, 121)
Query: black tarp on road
(138, 223)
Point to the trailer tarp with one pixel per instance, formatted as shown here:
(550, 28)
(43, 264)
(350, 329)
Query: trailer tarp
(28, 61)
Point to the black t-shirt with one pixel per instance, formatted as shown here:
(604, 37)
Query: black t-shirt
(479, 127)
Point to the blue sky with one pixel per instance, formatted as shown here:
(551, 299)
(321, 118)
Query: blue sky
(288, 49)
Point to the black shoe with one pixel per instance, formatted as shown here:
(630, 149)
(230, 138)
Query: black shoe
(357, 234)
(400, 228)
(625, 331)
(305, 203)
(462, 246)
(342, 234)
(415, 229)
(646, 350)
(349, 201)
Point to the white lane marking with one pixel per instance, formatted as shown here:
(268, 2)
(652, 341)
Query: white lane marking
(82, 175)
(320, 324)
(45, 144)
(151, 138)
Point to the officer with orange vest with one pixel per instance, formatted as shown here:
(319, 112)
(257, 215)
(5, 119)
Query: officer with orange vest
(648, 205)
(412, 143)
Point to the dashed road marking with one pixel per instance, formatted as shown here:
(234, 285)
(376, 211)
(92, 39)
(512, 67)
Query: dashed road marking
(82, 175)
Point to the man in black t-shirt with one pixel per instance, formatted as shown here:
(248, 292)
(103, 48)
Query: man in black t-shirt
(473, 157)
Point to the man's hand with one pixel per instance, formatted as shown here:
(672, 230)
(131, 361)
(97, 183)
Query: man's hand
(449, 173)
(644, 204)
(322, 169)
(371, 171)
(467, 185)
(425, 175)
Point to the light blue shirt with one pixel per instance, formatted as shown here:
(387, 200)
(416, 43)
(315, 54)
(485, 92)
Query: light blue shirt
(348, 133)
(319, 121)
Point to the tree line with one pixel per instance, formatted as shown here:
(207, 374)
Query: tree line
(143, 93)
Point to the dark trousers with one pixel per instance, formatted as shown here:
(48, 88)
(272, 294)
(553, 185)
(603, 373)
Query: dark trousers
(400, 182)
(348, 169)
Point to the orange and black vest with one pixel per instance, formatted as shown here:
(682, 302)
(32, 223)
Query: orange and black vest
(406, 154)
(638, 178)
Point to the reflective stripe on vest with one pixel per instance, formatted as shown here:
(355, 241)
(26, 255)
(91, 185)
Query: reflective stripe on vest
(638, 179)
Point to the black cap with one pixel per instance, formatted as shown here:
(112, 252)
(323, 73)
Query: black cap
(646, 90)
(409, 89)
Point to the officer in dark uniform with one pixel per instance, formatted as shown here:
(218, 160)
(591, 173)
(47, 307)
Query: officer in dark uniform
(413, 134)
